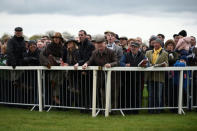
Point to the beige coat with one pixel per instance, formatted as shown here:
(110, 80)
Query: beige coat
(158, 76)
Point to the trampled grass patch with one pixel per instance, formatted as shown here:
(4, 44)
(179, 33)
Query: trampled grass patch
(22, 119)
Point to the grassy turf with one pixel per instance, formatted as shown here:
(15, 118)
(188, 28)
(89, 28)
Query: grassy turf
(23, 119)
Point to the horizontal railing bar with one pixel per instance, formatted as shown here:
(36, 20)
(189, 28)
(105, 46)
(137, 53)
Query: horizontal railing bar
(45, 68)
(7, 103)
(151, 68)
(97, 68)
(146, 108)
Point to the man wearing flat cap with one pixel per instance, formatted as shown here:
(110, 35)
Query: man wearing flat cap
(131, 89)
(16, 48)
(157, 57)
(104, 57)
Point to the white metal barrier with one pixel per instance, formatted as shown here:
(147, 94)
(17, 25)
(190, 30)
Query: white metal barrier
(42, 83)
(180, 99)
(19, 86)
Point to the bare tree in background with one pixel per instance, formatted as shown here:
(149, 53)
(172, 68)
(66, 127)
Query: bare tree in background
(50, 33)
(35, 37)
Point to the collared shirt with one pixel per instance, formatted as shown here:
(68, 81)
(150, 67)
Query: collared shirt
(155, 55)
(111, 46)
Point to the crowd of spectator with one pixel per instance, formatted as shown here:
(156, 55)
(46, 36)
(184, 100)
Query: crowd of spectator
(108, 50)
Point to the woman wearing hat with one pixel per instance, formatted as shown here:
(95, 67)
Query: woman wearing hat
(51, 56)
(172, 55)
(71, 54)
(70, 58)
(170, 90)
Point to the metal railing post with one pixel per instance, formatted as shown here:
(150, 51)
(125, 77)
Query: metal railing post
(94, 93)
(180, 92)
(108, 88)
(39, 90)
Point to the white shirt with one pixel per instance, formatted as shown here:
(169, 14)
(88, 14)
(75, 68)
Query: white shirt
(111, 46)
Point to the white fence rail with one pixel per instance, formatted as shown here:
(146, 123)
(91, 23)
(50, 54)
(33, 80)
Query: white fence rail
(99, 89)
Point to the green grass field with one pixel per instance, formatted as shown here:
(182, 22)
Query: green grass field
(22, 119)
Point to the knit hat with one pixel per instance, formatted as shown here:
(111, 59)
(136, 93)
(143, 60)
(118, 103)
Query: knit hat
(159, 41)
(183, 57)
(153, 37)
(31, 42)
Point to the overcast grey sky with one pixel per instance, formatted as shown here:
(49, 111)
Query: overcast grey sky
(96, 7)
(126, 17)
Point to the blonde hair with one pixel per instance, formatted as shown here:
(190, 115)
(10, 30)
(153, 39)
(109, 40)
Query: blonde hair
(3, 49)
(74, 47)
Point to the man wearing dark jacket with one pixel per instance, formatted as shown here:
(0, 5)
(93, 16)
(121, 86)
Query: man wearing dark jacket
(85, 48)
(131, 92)
(16, 48)
(84, 77)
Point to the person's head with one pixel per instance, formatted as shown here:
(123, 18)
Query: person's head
(123, 41)
(157, 43)
(40, 44)
(193, 41)
(161, 37)
(100, 42)
(139, 40)
(5, 41)
(170, 45)
(152, 38)
(176, 38)
(111, 37)
(131, 40)
(182, 34)
(71, 44)
(134, 47)
(32, 45)
(57, 38)
(18, 32)
(144, 47)
(3, 49)
(82, 35)
(117, 42)
(45, 39)
(89, 37)
(183, 59)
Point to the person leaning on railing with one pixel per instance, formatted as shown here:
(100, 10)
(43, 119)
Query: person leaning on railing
(84, 77)
(102, 56)
(132, 88)
(157, 57)
(51, 56)
(31, 58)
(170, 91)
(70, 58)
